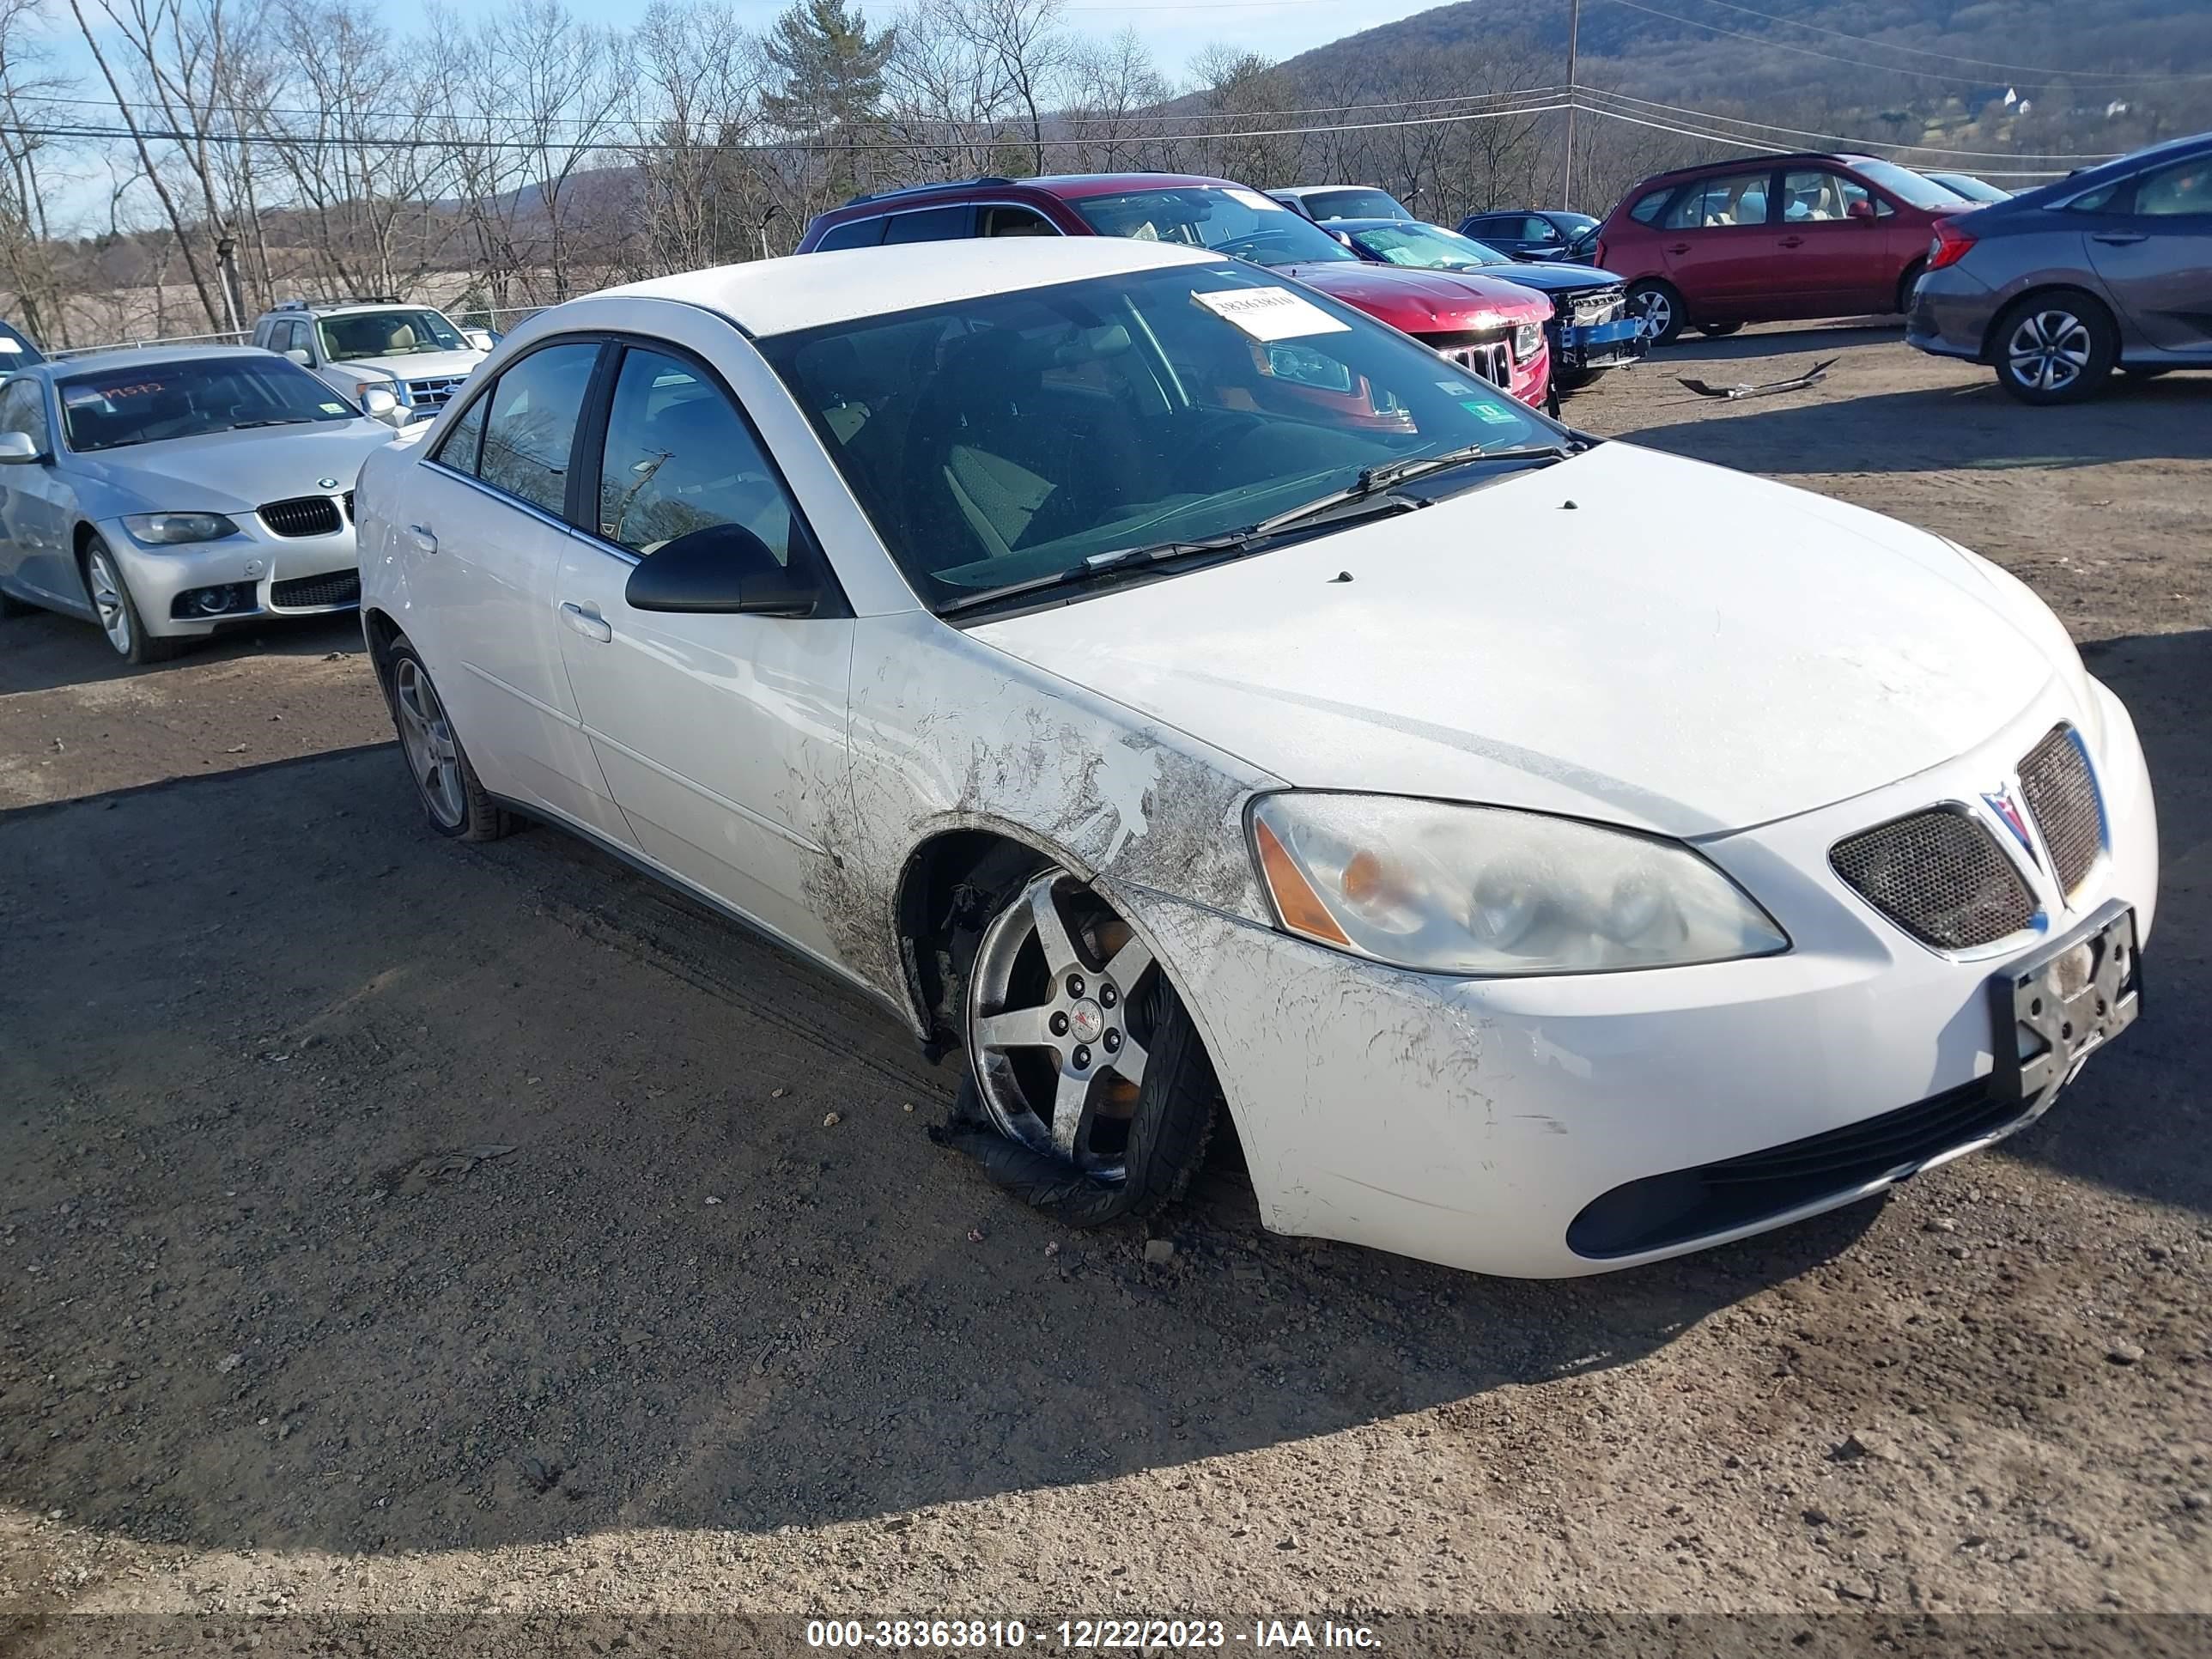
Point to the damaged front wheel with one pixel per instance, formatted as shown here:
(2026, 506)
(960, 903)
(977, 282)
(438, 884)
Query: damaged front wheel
(1088, 1091)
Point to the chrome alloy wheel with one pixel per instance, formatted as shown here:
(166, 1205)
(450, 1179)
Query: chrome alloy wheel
(107, 599)
(1058, 981)
(427, 736)
(2049, 349)
(1657, 314)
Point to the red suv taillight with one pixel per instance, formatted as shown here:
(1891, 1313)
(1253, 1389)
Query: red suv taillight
(1949, 246)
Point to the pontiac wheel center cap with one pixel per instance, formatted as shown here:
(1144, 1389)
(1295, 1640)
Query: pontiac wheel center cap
(1086, 1021)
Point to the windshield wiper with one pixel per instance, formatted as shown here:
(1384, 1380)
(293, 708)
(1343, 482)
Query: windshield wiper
(1382, 476)
(274, 420)
(1100, 564)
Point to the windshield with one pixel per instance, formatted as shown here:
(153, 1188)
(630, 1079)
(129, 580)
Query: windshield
(1227, 218)
(1361, 204)
(1428, 247)
(1914, 189)
(147, 404)
(1003, 439)
(387, 334)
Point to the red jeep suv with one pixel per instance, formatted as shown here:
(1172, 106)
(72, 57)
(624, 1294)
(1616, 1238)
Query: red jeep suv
(1488, 327)
(1773, 239)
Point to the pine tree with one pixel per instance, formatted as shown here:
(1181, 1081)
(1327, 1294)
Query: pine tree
(833, 77)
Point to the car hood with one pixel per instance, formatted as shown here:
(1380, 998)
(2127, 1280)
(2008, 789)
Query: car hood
(1550, 278)
(413, 366)
(1421, 301)
(228, 471)
(1625, 636)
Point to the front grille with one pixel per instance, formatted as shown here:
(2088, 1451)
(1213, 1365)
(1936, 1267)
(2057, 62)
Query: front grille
(1663, 1209)
(1480, 351)
(1940, 875)
(2062, 795)
(303, 515)
(433, 394)
(1587, 307)
(317, 592)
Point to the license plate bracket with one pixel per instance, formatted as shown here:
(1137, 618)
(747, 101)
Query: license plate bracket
(2053, 1010)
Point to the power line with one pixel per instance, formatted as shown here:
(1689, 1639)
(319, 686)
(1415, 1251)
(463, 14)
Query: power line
(1839, 138)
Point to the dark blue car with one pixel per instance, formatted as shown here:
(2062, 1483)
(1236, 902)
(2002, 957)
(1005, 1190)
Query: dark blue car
(1547, 235)
(1591, 327)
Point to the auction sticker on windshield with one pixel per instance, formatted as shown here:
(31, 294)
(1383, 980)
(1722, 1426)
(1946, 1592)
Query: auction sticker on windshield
(1271, 313)
(1253, 199)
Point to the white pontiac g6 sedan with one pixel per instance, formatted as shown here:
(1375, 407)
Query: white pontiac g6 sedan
(1181, 694)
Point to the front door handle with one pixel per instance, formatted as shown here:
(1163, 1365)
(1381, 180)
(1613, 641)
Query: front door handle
(422, 538)
(589, 623)
(1680, 247)
(1793, 241)
(2119, 238)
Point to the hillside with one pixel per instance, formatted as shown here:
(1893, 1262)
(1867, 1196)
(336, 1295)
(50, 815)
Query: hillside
(1905, 68)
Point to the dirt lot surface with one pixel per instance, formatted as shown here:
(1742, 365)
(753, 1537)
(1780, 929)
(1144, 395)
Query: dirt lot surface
(391, 1225)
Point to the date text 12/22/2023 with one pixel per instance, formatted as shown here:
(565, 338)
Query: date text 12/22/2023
(1085, 1635)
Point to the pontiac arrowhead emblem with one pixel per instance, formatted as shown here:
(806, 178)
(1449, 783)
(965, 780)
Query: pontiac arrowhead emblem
(2006, 806)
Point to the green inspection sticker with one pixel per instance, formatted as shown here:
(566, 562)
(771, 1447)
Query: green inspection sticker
(334, 409)
(1489, 413)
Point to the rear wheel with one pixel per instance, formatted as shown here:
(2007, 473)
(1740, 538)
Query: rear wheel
(2055, 348)
(453, 799)
(117, 611)
(1660, 308)
(1083, 1066)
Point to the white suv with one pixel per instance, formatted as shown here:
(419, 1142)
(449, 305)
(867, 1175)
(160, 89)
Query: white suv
(411, 351)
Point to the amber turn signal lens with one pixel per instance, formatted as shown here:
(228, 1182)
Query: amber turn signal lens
(1295, 902)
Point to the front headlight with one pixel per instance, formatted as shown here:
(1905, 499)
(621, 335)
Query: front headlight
(1486, 890)
(1526, 336)
(163, 529)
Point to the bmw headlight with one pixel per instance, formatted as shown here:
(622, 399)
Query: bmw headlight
(1526, 336)
(165, 529)
(1485, 891)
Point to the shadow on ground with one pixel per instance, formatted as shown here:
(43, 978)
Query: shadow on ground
(44, 650)
(372, 1192)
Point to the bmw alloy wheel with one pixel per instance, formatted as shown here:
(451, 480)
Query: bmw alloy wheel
(107, 599)
(2049, 349)
(1058, 980)
(427, 736)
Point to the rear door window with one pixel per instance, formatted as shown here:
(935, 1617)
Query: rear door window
(531, 423)
(1735, 199)
(942, 224)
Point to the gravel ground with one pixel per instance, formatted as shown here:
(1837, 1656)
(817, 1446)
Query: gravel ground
(392, 1226)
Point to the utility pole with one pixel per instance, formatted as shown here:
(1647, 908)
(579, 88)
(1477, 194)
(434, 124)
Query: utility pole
(1574, 40)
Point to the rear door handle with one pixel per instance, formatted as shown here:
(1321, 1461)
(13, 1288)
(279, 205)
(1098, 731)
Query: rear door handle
(589, 623)
(1793, 241)
(2119, 238)
(1680, 247)
(422, 538)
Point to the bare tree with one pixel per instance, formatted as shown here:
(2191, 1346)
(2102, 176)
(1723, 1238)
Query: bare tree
(1114, 91)
(28, 260)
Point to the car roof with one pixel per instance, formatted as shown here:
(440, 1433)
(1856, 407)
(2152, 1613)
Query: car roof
(127, 358)
(1315, 190)
(806, 290)
(1764, 163)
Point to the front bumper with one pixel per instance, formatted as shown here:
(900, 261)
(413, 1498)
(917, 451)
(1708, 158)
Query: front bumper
(1950, 314)
(1598, 345)
(282, 576)
(1471, 1122)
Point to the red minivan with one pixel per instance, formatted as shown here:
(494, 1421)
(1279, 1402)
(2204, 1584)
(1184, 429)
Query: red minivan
(1773, 239)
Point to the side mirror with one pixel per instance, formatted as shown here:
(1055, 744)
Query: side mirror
(18, 447)
(380, 404)
(723, 569)
(299, 354)
(1861, 209)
